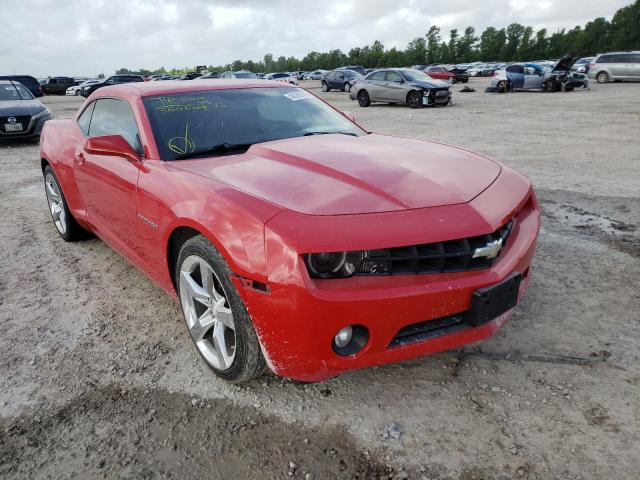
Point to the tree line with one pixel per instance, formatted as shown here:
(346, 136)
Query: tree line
(515, 42)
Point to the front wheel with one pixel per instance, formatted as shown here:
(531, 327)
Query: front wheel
(66, 225)
(414, 99)
(216, 317)
(325, 87)
(363, 98)
(602, 77)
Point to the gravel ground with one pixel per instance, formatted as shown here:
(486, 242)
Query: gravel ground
(99, 379)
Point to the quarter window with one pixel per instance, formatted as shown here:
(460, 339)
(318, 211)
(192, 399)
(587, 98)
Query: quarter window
(114, 117)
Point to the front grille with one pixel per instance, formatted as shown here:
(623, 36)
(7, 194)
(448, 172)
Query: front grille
(22, 119)
(429, 329)
(440, 257)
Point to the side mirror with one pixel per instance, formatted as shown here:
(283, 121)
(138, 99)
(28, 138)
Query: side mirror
(350, 116)
(114, 145)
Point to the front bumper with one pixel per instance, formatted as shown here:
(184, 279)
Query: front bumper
(298, 317)
(32, 130)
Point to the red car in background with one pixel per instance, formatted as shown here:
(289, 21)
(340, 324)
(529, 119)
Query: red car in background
(292, 237)
(441, 73)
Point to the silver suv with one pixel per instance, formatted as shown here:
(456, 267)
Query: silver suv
(615, 66)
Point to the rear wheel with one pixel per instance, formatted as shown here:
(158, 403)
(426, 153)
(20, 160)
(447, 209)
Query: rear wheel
(346, 87)
(66, 225)
(414, 99)
(602, 77)
(325, 87)
(216, 317)
(503, 86)
(363, 98)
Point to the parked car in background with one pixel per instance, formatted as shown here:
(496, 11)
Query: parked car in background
(531, 76)
(209, 75)
(190, 76)
(582, 65)
(614, 66)
(339, 79)
(461, 75)
(441, 73)
(315, 75)
(112, 80)
(28, 81)
(476, 69)
(291, 238)
(238, 74)
(401, 85)
(75, 89)
(57, 85)
(356, 68)
(282, 77)
(21, 114)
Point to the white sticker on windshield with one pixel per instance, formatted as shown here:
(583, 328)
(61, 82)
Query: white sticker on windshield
(298, 95)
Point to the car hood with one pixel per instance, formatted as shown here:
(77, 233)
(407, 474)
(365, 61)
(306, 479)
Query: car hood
(342, 175)
(566, 62)
(435, 83)
(20, 107)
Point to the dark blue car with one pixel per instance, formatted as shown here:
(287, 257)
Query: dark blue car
(21, 114)
(28, 81)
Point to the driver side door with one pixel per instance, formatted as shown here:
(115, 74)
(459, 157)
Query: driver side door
(515, 74)
(395, 90)
(533, 78)
(108, 183)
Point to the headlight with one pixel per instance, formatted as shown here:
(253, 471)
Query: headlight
(44, 113)
(347, 264)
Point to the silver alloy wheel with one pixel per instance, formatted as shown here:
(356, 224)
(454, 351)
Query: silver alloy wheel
(207, 313)
(347, 87)
(56, 203)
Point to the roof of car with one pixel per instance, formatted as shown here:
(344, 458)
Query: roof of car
(184, 86)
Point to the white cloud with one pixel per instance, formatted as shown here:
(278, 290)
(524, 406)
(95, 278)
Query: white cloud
(80, 37)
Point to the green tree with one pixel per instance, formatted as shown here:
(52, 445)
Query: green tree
(433, 44)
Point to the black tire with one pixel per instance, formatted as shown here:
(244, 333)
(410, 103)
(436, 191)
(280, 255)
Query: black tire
(363, 98)
(568, 88)
(346, 87)
(248, 363)
(414, 99)
(325, 87)
(602, 77)
(503, 86)
(72, 230)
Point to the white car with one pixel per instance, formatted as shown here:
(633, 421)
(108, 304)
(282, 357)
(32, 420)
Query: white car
(75, 90)
(282, 77)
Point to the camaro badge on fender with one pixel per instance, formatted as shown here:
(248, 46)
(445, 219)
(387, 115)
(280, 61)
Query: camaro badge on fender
(490, 250)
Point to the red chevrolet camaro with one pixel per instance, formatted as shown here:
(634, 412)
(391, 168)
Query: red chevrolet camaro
(291, 237)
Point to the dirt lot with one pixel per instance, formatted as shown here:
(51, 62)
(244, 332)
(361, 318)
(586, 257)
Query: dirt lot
(99, 379)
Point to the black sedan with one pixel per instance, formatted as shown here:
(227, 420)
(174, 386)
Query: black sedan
(113, 80)
(339, 80)
(21, 114)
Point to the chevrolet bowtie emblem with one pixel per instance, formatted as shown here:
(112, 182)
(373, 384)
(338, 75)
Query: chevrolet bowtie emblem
(490, 250)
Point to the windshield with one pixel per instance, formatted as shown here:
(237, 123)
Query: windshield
(10, 91)
(416, 76)
(187, 123)
(245, 75)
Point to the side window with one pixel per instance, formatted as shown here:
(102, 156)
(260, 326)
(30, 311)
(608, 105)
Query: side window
(604, 59)
(378, 76)
(84, 120)
(515, 69)
(635, 58)
(530, 71)
(114, 117)
(628, 58)
(394, 77)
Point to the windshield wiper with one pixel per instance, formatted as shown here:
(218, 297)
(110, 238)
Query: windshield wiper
(221, 147)
(330, 133)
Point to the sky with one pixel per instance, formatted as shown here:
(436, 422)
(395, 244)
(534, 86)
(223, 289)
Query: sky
(87, 37)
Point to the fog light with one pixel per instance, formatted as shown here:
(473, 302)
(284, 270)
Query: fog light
(343, 337)
(350, 340)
